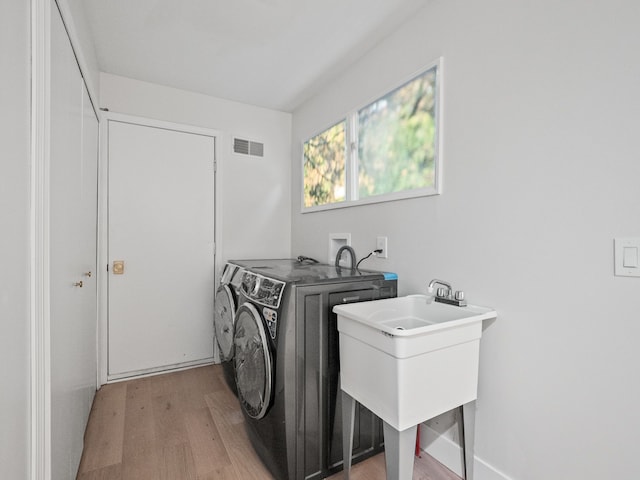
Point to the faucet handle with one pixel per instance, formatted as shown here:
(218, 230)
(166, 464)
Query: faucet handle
(442, 292)
(459, 295)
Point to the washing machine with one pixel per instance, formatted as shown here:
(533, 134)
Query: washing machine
(226, 304)
(287, 364)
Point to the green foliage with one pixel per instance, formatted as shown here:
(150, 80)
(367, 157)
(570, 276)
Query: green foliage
(396, 139)
(324, 167)
(396, 147)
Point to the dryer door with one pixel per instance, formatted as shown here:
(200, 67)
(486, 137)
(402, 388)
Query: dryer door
(223, 319)
(254, 366)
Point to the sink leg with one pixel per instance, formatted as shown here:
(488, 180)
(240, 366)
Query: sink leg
(348, 417)
(468, 429)
(399, 452)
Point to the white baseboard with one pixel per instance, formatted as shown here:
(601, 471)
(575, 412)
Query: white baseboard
(450, 455)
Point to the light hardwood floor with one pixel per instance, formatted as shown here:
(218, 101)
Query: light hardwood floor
(188, 426)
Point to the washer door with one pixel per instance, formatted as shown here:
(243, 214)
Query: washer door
(223, 319)
(254, 374)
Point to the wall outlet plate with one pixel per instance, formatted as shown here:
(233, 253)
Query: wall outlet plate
(382, 244)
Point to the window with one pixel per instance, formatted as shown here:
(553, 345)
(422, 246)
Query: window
(325, 167)
(384, 151)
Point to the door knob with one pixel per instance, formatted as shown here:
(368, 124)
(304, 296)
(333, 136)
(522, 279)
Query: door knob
(118, 267)
(78, 284)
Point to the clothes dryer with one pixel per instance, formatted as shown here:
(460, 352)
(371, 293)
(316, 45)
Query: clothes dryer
(226, 304)
(287, 364)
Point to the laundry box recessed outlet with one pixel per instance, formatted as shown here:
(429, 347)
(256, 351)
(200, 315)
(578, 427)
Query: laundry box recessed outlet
(337, 240)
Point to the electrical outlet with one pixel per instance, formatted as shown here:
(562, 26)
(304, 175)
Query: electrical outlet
(381, 244)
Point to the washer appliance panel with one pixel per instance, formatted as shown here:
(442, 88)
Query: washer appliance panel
(286, 359)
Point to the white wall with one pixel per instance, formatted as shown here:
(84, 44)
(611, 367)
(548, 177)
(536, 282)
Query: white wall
(14, 239)
(541, 172)
(77, 26)
(254, 210)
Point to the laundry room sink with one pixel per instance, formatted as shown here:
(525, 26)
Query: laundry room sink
(409, 359)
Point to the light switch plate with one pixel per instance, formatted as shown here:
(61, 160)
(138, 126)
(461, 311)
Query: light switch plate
(627, 254)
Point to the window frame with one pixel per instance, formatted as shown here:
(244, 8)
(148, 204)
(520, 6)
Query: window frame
(352, 147)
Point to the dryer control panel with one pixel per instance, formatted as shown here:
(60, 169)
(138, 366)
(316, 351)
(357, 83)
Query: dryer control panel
(263, 290)
(271, 319)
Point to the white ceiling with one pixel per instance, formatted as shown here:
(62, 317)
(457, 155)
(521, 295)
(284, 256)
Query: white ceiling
(270, 53)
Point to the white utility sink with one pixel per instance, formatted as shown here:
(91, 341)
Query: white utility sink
(409, 359)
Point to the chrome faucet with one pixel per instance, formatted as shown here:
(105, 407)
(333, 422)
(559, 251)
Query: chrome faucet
(435, 281)
(445, 294)
(352, 254)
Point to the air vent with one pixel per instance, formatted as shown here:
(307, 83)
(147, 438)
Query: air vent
(248, 147)
(256, 149)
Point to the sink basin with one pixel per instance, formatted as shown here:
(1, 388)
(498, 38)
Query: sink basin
(409, 359)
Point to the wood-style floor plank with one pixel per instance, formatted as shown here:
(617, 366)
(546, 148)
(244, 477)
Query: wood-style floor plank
(196, 383)
(209, 452)
(424, 468)
(228, 417)
(177, 463)
(112, 472)
(188, 426)
(168, 415)
(140, 455)
(105, 430)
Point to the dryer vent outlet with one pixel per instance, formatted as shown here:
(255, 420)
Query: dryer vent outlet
(248, 147)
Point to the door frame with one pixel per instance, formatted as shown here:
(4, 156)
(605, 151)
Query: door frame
(103, 223)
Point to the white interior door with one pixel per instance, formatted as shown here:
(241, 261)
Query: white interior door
(73, 297)
(161, 226)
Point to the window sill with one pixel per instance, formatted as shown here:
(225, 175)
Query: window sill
(387, 197)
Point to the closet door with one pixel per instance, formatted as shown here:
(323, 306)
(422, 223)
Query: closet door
(73, 206)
